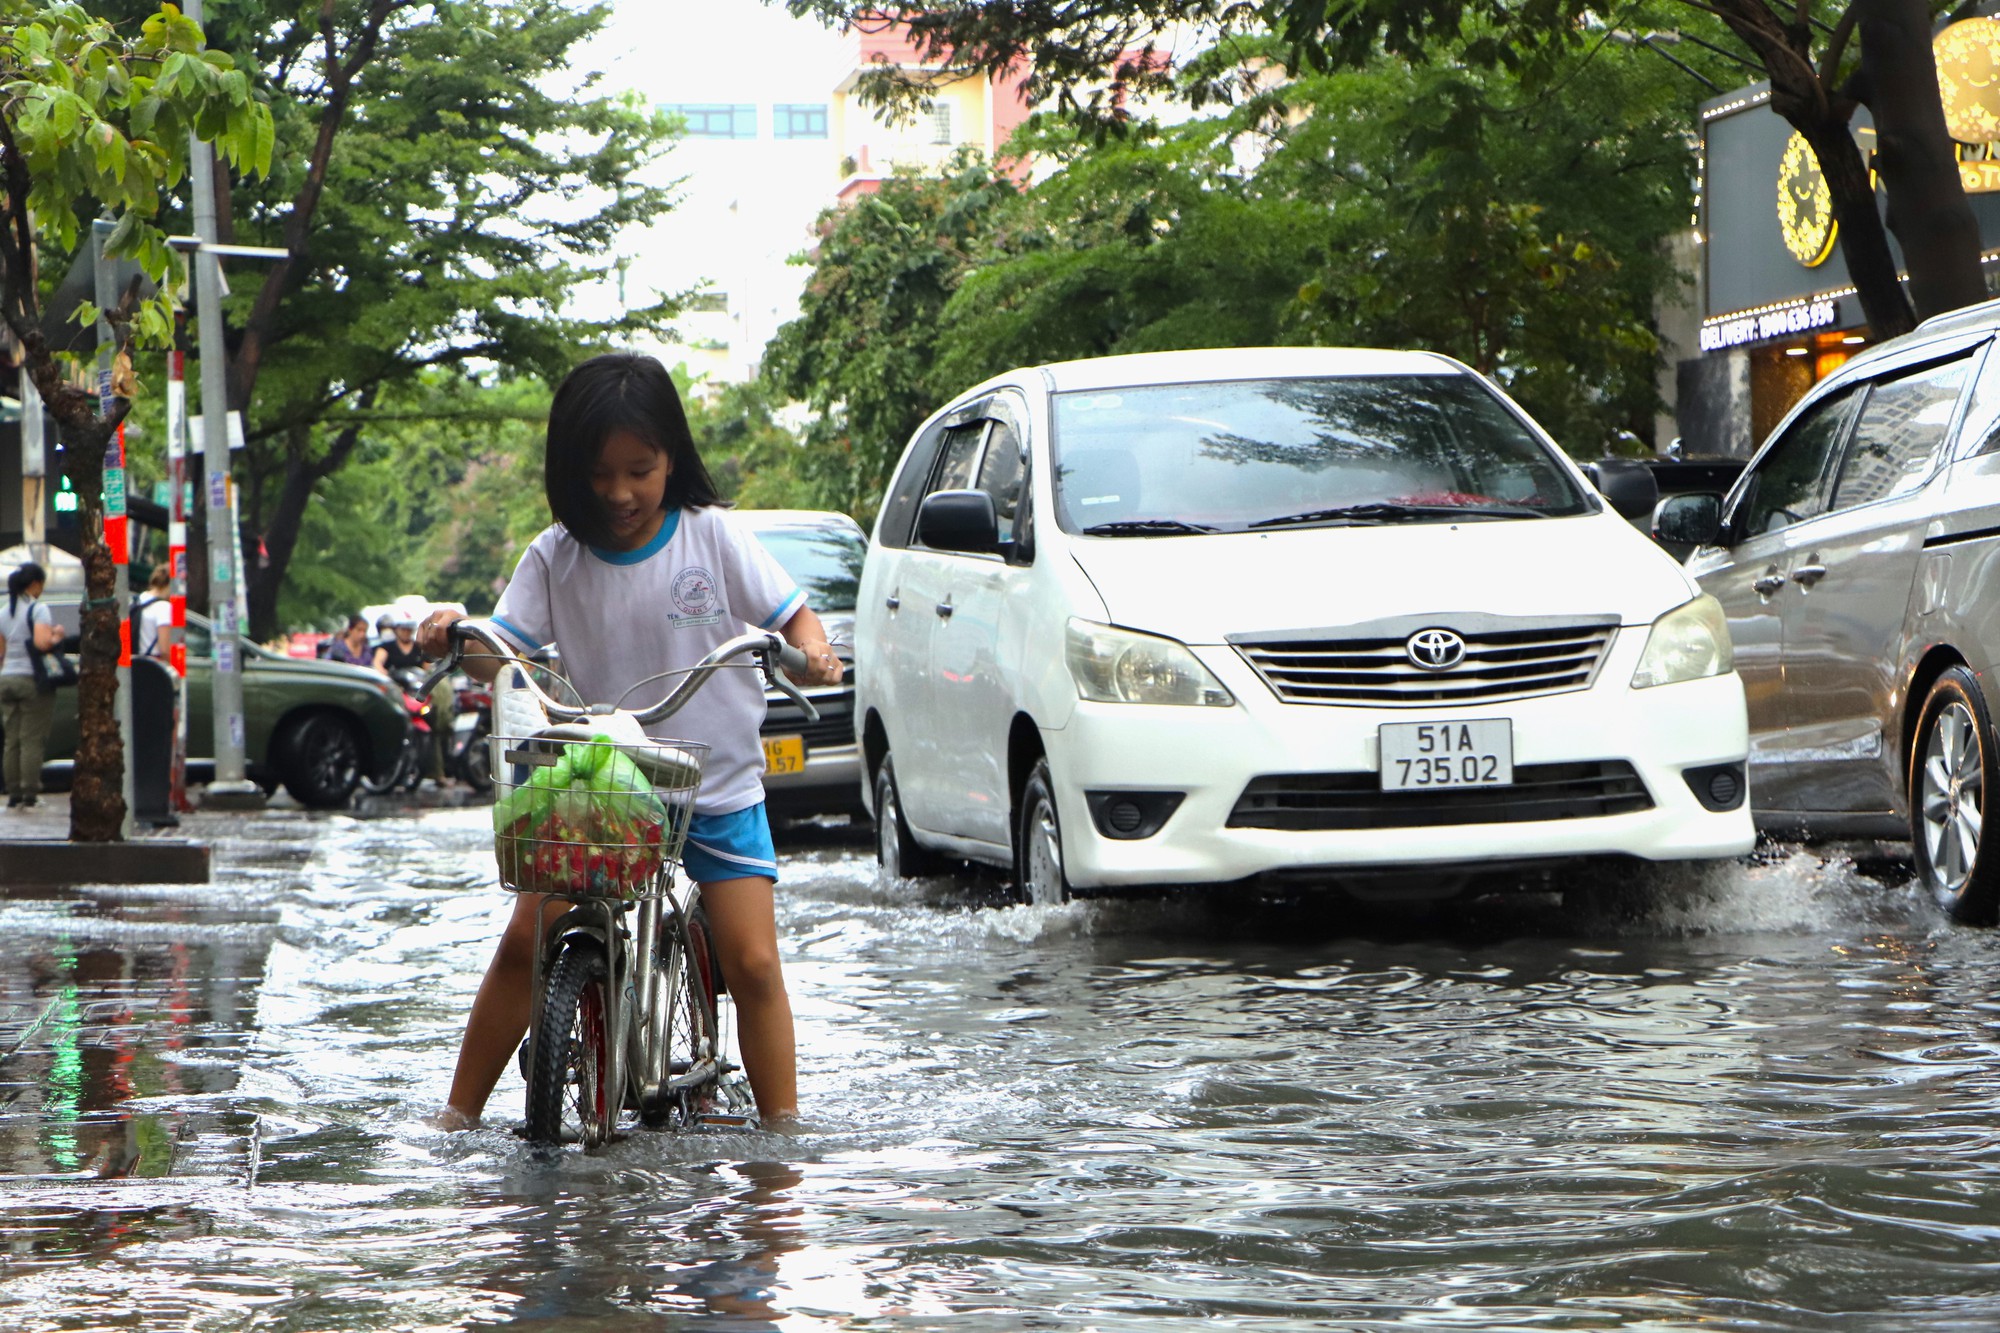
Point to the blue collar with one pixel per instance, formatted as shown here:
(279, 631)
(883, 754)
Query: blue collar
(668, 527)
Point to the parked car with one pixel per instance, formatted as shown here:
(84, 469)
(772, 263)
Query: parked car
(313, 726)
(1334, 615)
(1856, 559)
(814, 768)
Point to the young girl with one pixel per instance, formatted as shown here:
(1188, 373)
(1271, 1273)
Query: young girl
(643, 572)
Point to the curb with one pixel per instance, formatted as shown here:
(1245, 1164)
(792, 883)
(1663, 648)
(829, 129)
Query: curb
(52, 863)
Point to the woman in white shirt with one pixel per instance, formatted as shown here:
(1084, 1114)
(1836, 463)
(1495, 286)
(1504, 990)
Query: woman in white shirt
(25, 710)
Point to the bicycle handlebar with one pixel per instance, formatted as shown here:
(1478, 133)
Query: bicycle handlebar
(771, 650)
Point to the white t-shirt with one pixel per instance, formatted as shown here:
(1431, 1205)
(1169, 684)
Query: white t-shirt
(619, 617)
(154, 618)
(16, 629)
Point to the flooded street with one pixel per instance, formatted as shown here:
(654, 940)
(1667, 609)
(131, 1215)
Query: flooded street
(1769, 1104)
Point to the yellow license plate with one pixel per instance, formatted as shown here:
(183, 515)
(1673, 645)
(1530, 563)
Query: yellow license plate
(784, 754)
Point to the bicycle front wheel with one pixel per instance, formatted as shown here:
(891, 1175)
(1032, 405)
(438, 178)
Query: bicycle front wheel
(569, 1083)
(688, 1040)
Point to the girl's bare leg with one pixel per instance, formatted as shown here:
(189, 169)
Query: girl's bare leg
(742, 922)
(499, 1017)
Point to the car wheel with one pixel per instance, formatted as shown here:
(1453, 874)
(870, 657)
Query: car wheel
(320, 758)
(1038, 852)
(895, 850)
(1951, 766)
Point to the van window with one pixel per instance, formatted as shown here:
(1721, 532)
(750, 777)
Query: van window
(1000, 475)
(899, 510)
(1253, 454)
(959, 458)
(1789, 484)
(1896, 440)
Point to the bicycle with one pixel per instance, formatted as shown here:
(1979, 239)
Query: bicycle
(591, 813)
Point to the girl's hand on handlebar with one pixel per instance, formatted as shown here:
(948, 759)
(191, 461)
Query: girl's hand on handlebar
(823, 667)
(433, 639)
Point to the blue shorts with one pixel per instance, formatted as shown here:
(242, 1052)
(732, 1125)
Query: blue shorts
(730, 846)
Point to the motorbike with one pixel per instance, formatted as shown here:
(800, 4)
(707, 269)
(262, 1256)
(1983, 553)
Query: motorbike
(470, 758)
(408, 770)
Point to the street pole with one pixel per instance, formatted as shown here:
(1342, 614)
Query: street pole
(117, 532)
(177, 507)
(229, 789)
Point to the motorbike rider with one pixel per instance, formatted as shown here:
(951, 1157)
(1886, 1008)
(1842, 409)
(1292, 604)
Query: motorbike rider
(403, 660)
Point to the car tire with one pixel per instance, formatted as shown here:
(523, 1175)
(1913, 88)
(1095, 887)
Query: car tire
(320, 758)
(1953, 763)
(895, 850)
(1039, 878)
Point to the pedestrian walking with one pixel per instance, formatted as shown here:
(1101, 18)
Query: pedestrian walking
(153, 615)
(642, 572)
(25, 707)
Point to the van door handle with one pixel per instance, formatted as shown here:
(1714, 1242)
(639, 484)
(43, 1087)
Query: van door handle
(894, 602)
(1809, 573)
(1768, 583)
(944, 610)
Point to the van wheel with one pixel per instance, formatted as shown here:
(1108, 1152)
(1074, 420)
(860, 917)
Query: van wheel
(1038, 853)
(1951, 766)
(895, 850)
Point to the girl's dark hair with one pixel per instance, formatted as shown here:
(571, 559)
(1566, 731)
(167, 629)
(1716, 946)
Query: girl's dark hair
(617, 391)
(22, 579)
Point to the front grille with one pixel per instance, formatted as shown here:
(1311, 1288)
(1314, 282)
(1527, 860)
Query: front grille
(1499, 664)
(834, 728)
(1325, 801)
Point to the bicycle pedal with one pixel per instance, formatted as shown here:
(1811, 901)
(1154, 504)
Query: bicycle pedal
(726, 1120)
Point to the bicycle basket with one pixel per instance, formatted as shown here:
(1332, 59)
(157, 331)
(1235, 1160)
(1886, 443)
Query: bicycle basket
(595, 818)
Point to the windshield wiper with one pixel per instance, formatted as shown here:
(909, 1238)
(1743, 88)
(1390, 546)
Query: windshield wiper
(1395, 513)
(1144, 527)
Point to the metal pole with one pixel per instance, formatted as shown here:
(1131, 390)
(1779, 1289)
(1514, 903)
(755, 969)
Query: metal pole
(116, 530)
(176, 633)
(229, 789)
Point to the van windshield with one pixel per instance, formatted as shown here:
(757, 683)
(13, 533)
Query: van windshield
(1257, 455)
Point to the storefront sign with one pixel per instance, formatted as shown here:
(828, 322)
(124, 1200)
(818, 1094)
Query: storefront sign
(1783, 321)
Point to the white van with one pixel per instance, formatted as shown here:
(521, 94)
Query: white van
(1334, 615)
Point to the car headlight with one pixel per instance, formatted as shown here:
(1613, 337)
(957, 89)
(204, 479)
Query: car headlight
(1116, 666)
(1687, 643)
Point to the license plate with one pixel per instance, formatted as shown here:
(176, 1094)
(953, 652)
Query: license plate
(1437, 756)
(784, 754)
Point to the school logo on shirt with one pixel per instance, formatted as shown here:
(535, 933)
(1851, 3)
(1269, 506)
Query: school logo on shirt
(694, 597)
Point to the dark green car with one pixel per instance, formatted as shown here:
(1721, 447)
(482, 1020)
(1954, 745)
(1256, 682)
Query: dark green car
(311, 725)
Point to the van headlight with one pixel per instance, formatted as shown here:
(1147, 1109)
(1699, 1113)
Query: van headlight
(1116, 666)
(1687, 643)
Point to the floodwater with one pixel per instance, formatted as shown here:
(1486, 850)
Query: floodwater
(1771, 1103)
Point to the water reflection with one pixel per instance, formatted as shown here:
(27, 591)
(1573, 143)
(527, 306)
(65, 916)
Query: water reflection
(1766, 1102)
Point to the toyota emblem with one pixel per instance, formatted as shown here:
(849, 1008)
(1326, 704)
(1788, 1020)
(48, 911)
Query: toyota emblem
(1435, 649)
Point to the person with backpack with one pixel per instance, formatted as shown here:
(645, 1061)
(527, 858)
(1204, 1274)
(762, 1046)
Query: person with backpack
(153, 614)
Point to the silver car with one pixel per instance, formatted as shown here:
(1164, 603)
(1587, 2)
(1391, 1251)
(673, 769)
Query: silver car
(1858, 560)
(814, 768)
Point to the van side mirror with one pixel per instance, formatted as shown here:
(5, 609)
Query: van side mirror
(1689, 520)
(1626, 484)
(958, 521)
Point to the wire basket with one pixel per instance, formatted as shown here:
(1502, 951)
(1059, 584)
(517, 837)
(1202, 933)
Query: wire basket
(592, 818)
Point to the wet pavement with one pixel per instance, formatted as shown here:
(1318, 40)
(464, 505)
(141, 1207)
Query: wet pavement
(1768, 1103)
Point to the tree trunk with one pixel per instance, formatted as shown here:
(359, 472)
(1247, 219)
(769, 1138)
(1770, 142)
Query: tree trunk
(1823, 115)
(97, 797)
(1927, 206)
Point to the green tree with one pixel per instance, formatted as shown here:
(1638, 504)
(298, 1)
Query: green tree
(445, 189)
(95, 118)
(861, 352)
(1824, 59)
